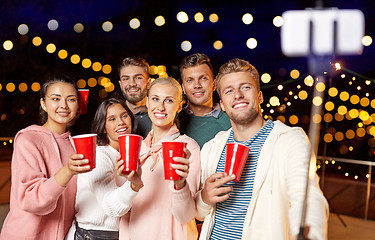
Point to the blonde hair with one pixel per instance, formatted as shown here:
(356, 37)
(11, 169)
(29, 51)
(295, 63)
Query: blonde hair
(168, 81)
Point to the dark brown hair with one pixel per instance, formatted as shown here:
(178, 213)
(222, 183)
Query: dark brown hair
(43, 116)
(98, 124)
(135, 61)
(195, 60)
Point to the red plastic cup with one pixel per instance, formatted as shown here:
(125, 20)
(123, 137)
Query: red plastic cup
(236, 157)
(86, 144)
(130, 146)
(83, 100)
(170, 150)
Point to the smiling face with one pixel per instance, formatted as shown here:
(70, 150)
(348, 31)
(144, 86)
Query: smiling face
(61, 105)
(198, 85)
(240, 98)
(117, 122)
(163, 103)
(134, 83)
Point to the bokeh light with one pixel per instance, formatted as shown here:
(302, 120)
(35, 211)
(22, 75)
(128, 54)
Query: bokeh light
(278, 21)
(251, 43)
(8, 45)
(182, 17)
(23, 29)
(53, 25)
(265, 78)
(186, 46)
(37, 41)
(51, 48)
(247, 18)
(366, 41)
(159, 21)
(78, 27)
(134, 23)
(218, 45)
(213, 18)
(107, 26)
(198, 17)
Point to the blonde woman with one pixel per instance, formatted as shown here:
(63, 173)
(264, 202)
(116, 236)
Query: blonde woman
(164, 209)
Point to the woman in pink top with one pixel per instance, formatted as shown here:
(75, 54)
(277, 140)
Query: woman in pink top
(164, 209)
(44, 165)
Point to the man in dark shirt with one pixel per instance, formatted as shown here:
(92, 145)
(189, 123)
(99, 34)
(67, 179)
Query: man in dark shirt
(134, 82)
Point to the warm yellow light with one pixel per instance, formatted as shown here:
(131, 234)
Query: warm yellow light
(3, 117)
(37, 41)
(107, 26)
(161, 69)
(293, 119)
(75, 59)
(153, 70)
(278, 21)
(317, 101)
(309, 81)
(247, 18)
(35, 86)
(361, 132)
(22, 87)
(365, 102)
(251, 43)
(86, 63)
(107, 69)
(364, 115)
(354, 99)
(218, 45)
(328, 117)
(317, 118)
(10, 87)
(182, 17)
(339, 117)
(353, 113)
(266, 78)
(186, 46)
(294, 74)
(281, 119)
(328, 137)
(1, 86)
(81, 83)
(344, 96)
(8, 45)
(333, 92)
(329, 106)
(350, 134)
(134, 23)
(320, 87)
(214, 18)
(342, 110)
(159, 21)
(198, 17)
(338, 66)
(280, 87)
(78, 27)
(366, 41)
(91, 82)
(110, 87)
(371, 130)
(274, 101)
(62, 54)
(51, 48)
(96, 66)
(103, 93)
(339, 136)
(368, 82)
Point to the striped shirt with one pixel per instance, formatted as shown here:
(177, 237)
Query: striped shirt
(230, 214)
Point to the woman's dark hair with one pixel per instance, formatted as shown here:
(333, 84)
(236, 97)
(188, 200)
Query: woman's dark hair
(98, 124)
(43, 92)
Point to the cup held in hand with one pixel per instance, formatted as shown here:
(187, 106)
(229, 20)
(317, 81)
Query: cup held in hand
(86, 144)
(236, 157)
(170, 150)
(130, 146)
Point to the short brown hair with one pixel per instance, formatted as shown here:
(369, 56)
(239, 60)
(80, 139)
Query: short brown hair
(236, 65)
(195, 60)
(135, 61)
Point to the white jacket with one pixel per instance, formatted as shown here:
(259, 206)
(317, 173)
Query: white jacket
(275, 209)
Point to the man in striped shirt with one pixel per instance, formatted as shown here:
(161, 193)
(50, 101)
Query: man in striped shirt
(267, 201)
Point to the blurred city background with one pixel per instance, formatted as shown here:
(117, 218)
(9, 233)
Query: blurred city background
(86, 40)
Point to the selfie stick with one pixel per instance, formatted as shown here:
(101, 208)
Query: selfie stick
(319, 34)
